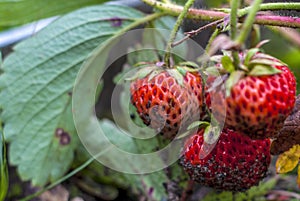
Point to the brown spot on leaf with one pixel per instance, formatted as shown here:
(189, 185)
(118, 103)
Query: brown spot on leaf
(116, 22)
(63, 136)
(65, 139)
(59, 132)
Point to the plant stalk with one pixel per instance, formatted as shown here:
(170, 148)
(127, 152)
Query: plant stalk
(247, 25)
(235, 4)
(178, 23)
(211, 15)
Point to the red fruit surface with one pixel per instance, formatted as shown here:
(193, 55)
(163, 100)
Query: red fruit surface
(164, 104)
(257, 105)
(235, 164)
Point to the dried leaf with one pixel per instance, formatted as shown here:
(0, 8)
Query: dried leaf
(287, 161)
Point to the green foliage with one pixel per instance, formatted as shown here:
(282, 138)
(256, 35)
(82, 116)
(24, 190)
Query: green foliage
(140, 184)
(19, 12)
(36, 84)
(3, 167)
(254, 193)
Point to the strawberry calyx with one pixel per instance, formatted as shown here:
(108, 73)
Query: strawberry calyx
(252, 63)
(151, 69)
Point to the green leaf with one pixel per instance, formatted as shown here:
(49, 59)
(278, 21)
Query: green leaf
(1, 59)
(37, 81)
(3, 168)
(260, 70)
(17, 12)
(138, 182)
(227, 64)
(232, 80)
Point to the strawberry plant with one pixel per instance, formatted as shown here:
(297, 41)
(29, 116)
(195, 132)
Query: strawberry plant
(116, 100)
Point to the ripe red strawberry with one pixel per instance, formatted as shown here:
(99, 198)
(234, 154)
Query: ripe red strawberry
(258, 103)
(236, 163)
(166, 105)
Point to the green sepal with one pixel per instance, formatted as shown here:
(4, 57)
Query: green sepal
(212, 70)
(260, 70)
(181, 70)
(227, 64)
(265, 61)
(189, 64)
(141, 73)
(249, 55)
(216, 58)
(177, 75)
(198, 124)
(232, 80)
(154, 73)
(211, 136)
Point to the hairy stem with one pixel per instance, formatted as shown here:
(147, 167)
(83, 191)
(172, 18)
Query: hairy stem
(235, 4)
(247, 25)
(179, 21)
(211, 15)
(272, 6)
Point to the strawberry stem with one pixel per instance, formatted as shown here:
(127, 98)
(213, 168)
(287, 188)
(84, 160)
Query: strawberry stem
(178, 23)
(235, 4)
(247, 25)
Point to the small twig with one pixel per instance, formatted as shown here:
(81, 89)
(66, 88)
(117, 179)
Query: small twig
(247, 25)
(197, 31)
(187, 191)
